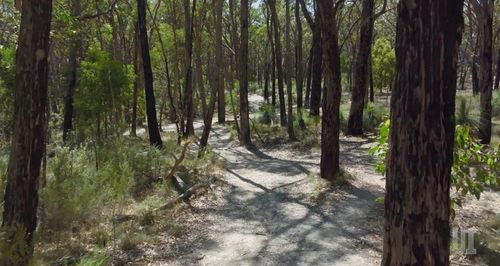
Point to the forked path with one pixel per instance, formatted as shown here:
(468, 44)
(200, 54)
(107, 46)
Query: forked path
(276, 212)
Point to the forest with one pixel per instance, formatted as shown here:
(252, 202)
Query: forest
(240, 132)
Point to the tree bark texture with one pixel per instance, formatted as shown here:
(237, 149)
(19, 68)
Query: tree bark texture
(417, 199)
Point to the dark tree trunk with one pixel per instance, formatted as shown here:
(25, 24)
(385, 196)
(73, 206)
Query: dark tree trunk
(372, 93)
(330, 121)
(72, 68)
(317, 70)
(266, 80)
(289, 66)
(417, 199)
(361, 70)
(278, 60)
(219, 76)
(218, 36)
(299, 72)
(154, 132)
(269, 25)
(188, 104)
(243, 52)
(29, 132)
(486, 69)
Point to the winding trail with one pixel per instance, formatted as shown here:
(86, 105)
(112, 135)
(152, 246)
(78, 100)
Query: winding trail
(270, 219)
(274, 211)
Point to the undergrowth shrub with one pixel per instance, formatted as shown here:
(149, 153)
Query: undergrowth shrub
(495, 103)
(475, 166)
(464, 115)
(75, 187)
(373, 115)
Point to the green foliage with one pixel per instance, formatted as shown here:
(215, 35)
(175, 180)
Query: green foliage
(105, 85)
(381, 146)
(383, 63)
(495, 103)
(75, 186)
(95, 258)
(475, 166)
(7, 83)
(12, 251)
(373, 115)
(463, 114)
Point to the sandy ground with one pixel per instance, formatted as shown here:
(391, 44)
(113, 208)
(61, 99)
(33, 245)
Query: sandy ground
(272, 210)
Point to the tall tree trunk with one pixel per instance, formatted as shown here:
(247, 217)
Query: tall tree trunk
(29, 132)
(269, 26)
(361, 70)
(417, 199)
(330, 121)
(279, 60)
(497, 77)
(218, 37)
(288, 75)
(486, 69)
(137, 81)
(219, 76)
(243, 52)
(317, 70)
(372, 93)
(309, 77)
(299, 72)
(72, 68)
(154, 132)
(188, 81)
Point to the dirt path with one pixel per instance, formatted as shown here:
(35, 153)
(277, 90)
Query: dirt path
(274, 210)
(275, 214)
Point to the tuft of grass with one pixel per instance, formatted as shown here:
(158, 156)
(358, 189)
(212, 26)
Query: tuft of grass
(463, 113)
(96, 258)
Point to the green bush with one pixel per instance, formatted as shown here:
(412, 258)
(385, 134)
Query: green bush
(373, 115)
(7, 83)
(95, 258)
(75, 186)
(463, 113)
(383, 63)
(105, 85)
(475, 166)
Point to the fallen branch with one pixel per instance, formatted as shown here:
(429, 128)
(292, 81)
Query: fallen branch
(179, 160)
(186, 195)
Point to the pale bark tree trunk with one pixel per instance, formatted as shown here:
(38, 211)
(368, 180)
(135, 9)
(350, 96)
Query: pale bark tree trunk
(28, 139)
(243, 73)
(279, 60)
(135, 93)
(417, 199)
(154, 132)
(330, 121)
(361, 70)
